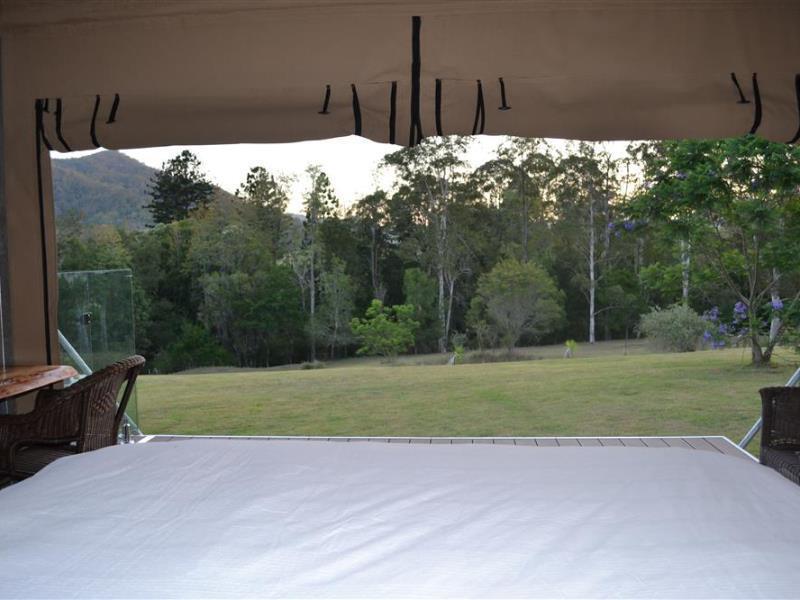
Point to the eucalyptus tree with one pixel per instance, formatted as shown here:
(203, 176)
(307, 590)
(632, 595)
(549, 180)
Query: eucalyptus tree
(585, 187)
(370, 215)
(520, 178)
(433, 179)
(320, 203)
(336, 307)
(737, 201)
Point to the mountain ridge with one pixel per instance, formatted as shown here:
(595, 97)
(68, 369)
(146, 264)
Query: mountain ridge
(109, 188)
(106, 188)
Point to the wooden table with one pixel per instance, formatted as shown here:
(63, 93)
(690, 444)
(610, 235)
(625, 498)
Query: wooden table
(15, 381)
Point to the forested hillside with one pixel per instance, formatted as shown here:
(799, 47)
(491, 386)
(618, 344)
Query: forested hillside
(692, 242)
(106, 188)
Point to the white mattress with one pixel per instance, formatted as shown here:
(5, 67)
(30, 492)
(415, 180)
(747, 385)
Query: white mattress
(221, 518)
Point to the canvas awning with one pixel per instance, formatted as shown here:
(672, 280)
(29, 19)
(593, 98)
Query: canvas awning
(122, 74)
(244, 71)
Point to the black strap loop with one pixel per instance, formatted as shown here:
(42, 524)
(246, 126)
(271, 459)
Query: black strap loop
(59, 133)
(112, 116)
(742, 98)
(415, 131)
(326, 102)
(480, 112)
(356, 111)
(797, 95)
(393, 113)
(93, 127)
(503, 102)
(42, 106)
(439, 108)
(757, 98)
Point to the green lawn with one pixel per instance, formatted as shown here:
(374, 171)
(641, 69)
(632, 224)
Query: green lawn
(603, 394)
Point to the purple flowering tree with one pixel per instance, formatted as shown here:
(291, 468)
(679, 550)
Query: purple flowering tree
(736, 203)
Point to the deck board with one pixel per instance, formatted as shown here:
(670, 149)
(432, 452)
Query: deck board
(632, 442)
(701, 444)
(590, 442)
(716, 444)
(610, 441)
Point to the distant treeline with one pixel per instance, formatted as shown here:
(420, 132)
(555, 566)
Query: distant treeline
(535, 246)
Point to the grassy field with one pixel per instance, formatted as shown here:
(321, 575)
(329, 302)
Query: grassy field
(599, 393)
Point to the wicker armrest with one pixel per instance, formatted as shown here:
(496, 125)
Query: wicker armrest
(51, 419)
(780, 411)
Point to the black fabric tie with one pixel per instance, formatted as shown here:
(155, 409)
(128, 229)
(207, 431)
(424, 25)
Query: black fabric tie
(480, 112)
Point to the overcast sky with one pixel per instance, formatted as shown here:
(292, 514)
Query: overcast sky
(350, 162)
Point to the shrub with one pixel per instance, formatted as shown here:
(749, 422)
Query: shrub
(676, 329)
(195, 347)
(385, 331)
(311, 365)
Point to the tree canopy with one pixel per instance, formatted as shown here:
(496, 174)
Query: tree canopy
(178, 188)
(537, 245)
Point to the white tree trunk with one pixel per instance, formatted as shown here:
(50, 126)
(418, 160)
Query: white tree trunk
(686, 259)
(592, 273)
(441, 309)
(775, 325)
(441, 251)
(312, 306)
(449, 317)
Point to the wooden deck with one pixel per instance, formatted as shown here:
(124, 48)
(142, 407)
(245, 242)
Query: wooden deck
(719, 444)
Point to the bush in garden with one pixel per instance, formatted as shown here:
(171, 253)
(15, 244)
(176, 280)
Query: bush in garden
(676, 329)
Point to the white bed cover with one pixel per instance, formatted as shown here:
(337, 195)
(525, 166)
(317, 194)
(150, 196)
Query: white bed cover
(231, 518)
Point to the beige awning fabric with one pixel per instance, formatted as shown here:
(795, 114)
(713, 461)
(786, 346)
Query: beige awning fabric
(240, 71)
(125, 74)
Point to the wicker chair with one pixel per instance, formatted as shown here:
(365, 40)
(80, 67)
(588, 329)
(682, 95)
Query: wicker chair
(780, 434)
(85, 416)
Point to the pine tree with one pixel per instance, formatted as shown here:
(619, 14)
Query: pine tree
(179, 188)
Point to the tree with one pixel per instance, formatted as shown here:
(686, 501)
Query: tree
(419, 290)
(195, 347)
(257, 316)
(518, 298)
(159, 259)
(226, 239)
(179, 188)
(320, 203)
(586, 184)
(735, 201)
(100, 247)
(266, 197)
(336, 306)
(521, 175)
(385, 331)
(434, 176)
(370, 213)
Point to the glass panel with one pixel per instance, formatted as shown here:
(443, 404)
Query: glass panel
(95, 319)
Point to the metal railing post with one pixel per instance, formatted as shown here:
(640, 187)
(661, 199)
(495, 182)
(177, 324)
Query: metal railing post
(73, 354)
